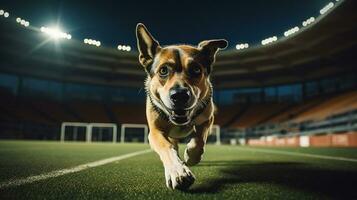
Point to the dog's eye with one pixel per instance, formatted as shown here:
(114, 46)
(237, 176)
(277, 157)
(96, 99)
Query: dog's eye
(164, 71)
(195, 70)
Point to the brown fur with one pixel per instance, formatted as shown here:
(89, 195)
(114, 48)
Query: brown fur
(164, 134)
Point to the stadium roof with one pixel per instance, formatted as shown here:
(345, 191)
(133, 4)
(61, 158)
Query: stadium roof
(324, 48)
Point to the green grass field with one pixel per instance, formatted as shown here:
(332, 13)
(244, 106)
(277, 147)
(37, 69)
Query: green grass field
(226, 172)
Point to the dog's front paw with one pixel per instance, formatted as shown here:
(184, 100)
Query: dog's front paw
(179, 177)
(193, 156)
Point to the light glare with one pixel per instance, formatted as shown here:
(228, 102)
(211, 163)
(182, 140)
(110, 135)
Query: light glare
(55, 33)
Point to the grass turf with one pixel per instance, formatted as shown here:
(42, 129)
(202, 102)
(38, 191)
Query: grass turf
(226, 172)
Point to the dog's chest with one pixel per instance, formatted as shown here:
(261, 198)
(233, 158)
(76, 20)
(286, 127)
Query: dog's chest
(181, 132)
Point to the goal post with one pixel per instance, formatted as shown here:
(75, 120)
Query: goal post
(106, 125)
(138, 126)
(89, 129)
(215, 134)
(75, 125)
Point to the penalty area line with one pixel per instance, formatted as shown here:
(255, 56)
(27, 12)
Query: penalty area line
(301, 154)
(61, 172)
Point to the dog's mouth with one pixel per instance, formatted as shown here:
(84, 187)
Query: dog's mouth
(180, 116)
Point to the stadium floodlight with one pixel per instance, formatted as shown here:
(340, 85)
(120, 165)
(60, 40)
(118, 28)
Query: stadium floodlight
(22, 22)
(269, 40)
(92, 42)
(326, 8)
(308, 21)
(124, 47)
(6, 14)
(242, 46)
(2, 12)
(291, 31)
(55, 33)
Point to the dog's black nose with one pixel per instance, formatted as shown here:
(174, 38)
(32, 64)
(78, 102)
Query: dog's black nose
(180, 97)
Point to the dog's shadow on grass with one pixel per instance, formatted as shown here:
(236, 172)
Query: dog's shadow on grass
(300, 176)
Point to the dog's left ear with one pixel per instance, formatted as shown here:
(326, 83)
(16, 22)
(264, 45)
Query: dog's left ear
(209, 48)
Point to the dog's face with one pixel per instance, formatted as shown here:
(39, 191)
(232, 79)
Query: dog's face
(178, 75)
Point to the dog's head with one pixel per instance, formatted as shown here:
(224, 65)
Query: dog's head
(178, 75)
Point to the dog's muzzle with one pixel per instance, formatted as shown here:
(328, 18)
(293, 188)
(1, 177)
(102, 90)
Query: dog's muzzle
(180, 98)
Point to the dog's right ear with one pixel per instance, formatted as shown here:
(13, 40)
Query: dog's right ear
(147, 46)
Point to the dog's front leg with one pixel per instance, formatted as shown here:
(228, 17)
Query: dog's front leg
(195, 148)
(177, 174)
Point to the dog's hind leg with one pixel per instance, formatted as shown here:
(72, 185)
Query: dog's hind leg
(177, 174)
(196, 147)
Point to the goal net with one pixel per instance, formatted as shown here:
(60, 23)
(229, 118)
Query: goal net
(134, 133)
(77, 131)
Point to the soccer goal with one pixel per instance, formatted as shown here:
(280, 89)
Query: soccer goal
(84, 131)
(134, 132)
(215, 135)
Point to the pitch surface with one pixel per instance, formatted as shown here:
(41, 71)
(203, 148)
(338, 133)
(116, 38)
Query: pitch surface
(226, 172)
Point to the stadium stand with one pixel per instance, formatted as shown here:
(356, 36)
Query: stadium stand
(54, 110)
(130, 113)
(334, 105)
(295, 110)
(332, 122)
(226, 114)
(256, 114)
(301, 85)
(90, 111)
(19, 109)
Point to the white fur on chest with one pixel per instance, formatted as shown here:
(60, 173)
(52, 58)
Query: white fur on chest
(181, 132)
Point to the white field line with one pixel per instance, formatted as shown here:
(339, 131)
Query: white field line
(301, 154)
(62, 172)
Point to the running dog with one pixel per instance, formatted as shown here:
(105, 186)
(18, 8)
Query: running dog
(179, 101)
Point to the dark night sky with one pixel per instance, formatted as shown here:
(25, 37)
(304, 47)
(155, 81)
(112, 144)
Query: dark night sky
(113, 22)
